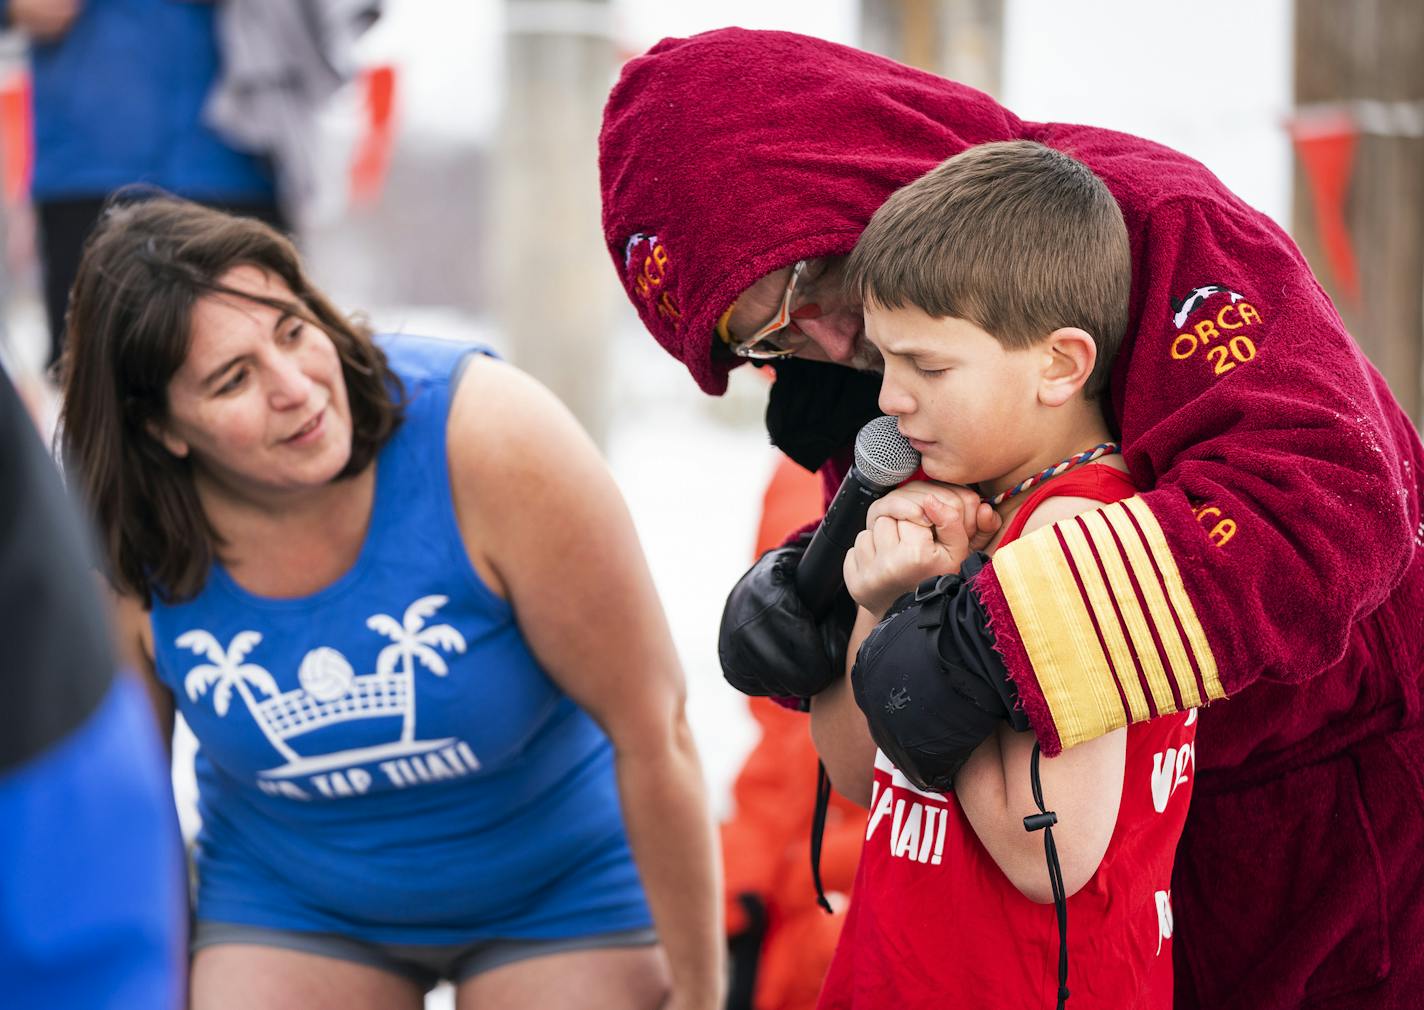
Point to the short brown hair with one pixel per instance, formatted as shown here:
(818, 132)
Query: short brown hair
(1015, 237)
(128, 331)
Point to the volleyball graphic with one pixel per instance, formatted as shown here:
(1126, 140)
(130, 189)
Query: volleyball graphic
(325, 674)
(330, 691)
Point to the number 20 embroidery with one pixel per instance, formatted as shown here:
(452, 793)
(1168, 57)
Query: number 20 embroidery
(1223, 348)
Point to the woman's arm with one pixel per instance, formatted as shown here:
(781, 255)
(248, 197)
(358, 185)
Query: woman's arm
(41, 20)
(547, 527)
(134, 641)
(838, 728)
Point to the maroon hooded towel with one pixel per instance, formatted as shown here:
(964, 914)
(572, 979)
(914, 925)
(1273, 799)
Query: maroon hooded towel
(715, 173)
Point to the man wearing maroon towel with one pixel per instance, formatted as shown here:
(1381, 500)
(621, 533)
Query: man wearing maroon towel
(1274, 566)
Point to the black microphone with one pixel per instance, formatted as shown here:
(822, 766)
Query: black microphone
(884, 459)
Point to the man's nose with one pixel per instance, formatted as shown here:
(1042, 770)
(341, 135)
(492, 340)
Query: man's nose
(835, 333)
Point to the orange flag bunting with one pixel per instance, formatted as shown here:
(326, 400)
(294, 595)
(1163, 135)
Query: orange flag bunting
(1325, 144)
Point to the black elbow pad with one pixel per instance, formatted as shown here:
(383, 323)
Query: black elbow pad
(930, 682)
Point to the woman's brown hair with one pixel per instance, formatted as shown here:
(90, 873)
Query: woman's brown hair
(128, 331)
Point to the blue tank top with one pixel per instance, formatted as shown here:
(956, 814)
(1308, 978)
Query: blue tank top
(385, 758)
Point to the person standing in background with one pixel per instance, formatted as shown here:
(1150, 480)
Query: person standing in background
(119, 90)
(92, 887)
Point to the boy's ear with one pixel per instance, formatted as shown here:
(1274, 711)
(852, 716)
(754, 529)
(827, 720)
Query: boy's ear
(1071, 355)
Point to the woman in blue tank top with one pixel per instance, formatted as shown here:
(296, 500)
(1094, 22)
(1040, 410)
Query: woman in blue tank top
(395, 593)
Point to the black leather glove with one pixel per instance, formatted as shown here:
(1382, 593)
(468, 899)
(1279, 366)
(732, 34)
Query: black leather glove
(769, 643)
(930, 683)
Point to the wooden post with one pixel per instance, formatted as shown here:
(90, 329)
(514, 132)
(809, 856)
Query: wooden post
(551, 298)
(960, 39)
(1363, 59)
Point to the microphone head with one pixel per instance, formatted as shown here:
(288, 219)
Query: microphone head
(883, 455)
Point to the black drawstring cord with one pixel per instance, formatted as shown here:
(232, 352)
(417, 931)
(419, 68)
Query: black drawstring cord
(818, 830)
(1044, 821)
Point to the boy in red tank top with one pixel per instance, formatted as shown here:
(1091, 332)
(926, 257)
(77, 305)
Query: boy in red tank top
(996, 287)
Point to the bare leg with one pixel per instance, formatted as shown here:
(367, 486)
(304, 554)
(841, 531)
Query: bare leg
(625, 978)
(244, 976)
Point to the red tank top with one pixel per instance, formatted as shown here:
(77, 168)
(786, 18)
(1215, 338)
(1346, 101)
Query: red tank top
(934, 923)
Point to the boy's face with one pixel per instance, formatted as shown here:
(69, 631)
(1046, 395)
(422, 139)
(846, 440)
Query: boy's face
(963, 400)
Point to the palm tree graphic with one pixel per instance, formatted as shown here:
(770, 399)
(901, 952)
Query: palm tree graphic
(413, 641)
(226, 670)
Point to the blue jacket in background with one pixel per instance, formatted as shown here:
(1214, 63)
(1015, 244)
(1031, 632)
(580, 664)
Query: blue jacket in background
(92, 890)
(119, 98)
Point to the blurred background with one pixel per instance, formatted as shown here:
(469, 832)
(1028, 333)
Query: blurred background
(455, 194)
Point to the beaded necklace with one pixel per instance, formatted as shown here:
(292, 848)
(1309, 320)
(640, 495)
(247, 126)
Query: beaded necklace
(1105, 449)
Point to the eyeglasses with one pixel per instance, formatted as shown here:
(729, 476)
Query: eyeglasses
(778, 339)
